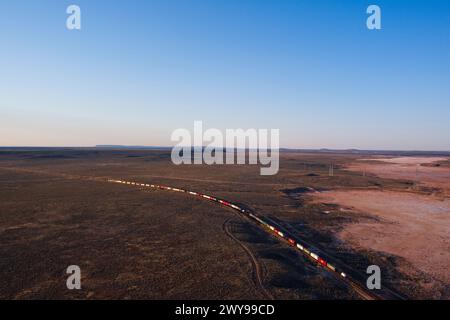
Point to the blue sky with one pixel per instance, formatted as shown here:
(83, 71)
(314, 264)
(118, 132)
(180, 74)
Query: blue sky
(140, 69)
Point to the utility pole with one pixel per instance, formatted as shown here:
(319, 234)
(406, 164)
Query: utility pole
(417, 175)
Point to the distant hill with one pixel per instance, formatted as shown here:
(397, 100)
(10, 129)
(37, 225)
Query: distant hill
(113, 146)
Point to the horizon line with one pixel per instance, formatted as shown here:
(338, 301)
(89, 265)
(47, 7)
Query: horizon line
(137, 147)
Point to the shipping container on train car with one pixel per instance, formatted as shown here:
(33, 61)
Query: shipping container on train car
(257, 219)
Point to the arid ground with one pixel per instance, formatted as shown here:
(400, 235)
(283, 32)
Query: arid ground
(132, 243)
(413, 224)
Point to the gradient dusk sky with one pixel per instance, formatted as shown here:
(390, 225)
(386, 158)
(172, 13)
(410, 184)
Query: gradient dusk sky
(138, 70)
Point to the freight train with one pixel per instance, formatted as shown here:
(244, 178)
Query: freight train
(260, 220)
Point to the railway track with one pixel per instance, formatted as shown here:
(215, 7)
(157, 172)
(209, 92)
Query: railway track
(278, 231)
(269, 225)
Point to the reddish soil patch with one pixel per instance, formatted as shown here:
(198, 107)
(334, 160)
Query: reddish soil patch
(408, 168)
(411, 226)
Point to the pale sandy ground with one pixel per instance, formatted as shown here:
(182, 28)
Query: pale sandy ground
(408, 168)
(408, 160)
(411, 226)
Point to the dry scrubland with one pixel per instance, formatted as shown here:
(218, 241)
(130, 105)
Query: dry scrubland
(132, 243)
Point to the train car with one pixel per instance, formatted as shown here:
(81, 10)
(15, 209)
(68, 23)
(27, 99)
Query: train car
(322, 262)
(281, 234)
(314, 256)
(213, 199)
(300, 246)
(291, 241)
(331, 267)
(258, 219)
(193, 193)
(265, 223)
(225, 203)
(343, 275)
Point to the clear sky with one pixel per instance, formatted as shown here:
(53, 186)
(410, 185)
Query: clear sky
(140, 69)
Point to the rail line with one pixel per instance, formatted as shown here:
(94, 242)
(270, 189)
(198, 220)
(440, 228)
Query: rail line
(272, 227)
(277, 231)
